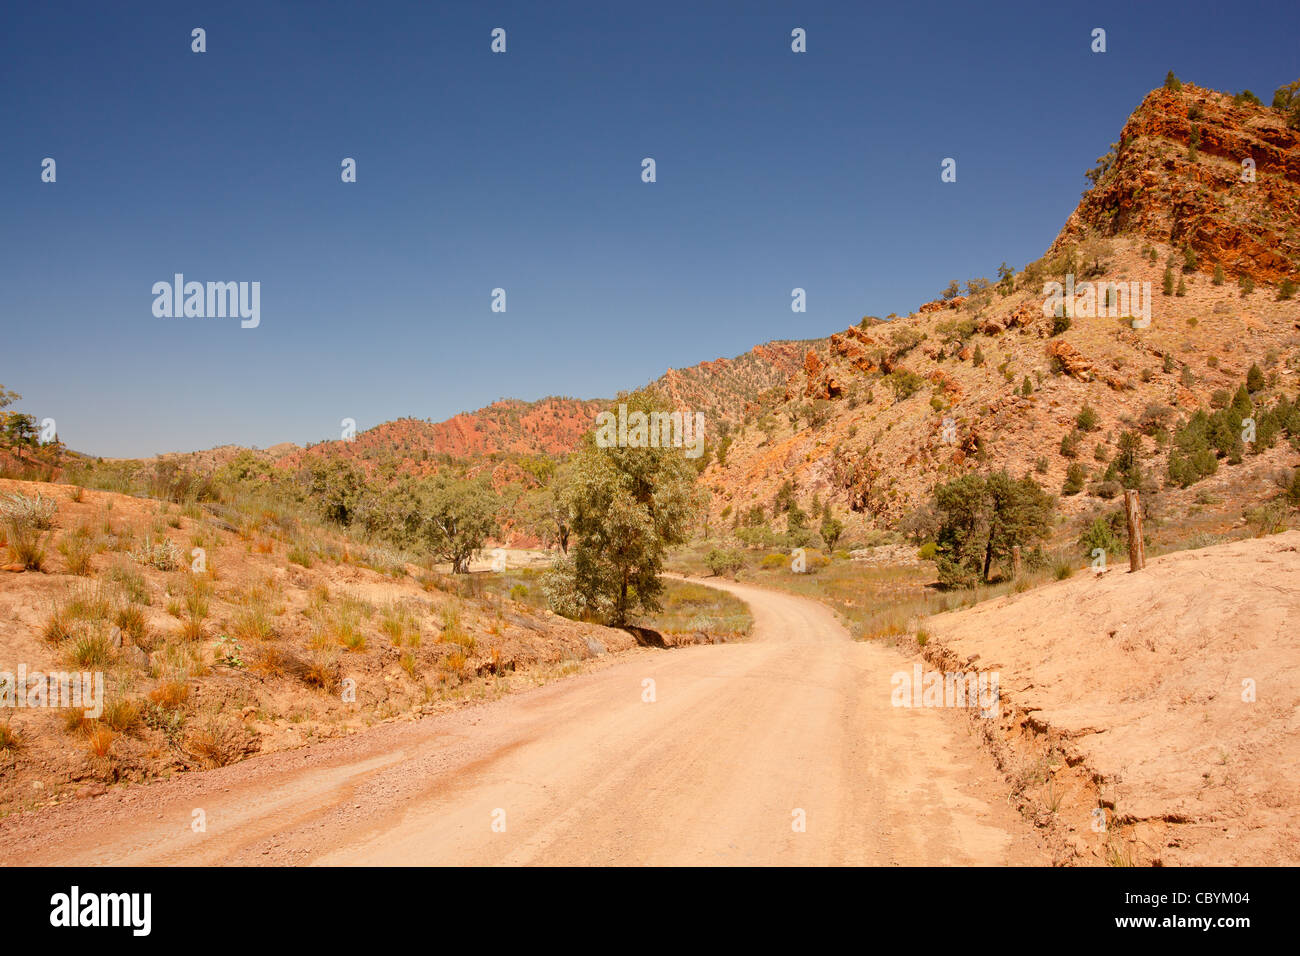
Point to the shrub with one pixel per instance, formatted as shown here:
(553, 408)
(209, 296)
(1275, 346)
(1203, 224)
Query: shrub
(132, 584)
(171, 694)
(77, 549)
(1086, 420)
(1070, 445)
(1246, 284)
(904, 383)
(1075, 475)
(26, 522)
(192, 609)
(1286, 290)
(1107, 489)
(723, 562)
(1218, 274)
(159, 555)
(1155, 417)
(130, 620)
(1266, 519)
(1100, 534)
(122, 715)
(91, 652)
(216, 741)
(99, 739)
(11, 740)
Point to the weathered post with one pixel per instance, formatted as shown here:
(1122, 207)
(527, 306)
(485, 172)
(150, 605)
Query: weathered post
(1015, 562)
(1137, 552)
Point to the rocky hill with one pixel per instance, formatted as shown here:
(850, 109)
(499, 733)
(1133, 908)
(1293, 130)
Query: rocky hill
(994, 379)
(1197, 167)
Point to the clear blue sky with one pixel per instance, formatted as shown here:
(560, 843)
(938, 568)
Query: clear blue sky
(522, 171)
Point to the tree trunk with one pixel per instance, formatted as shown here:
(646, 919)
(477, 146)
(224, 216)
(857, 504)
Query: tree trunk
(1137, 551)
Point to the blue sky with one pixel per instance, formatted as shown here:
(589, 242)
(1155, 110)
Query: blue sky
(523, 171)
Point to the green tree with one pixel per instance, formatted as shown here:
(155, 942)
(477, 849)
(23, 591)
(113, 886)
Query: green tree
(1254, 379)
(335, 486)
(1070, 445)
(459, 516)
(831, 529)
(1074, 479)
(796, 520)
(1126, 466)
(981, 518)
(628, 506)
(1006, 279)
(1287, 100)
(20, 431)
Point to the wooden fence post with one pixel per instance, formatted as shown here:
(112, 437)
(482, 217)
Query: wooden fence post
(1137, 552)
(1015, 561)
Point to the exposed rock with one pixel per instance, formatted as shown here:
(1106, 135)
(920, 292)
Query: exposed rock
(1071, 362)
(1156, 189)
(135, 657)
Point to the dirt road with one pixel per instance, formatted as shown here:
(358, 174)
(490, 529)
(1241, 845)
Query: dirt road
(700, 755)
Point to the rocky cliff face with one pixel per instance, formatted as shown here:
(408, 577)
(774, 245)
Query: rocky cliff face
(1180, 175)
